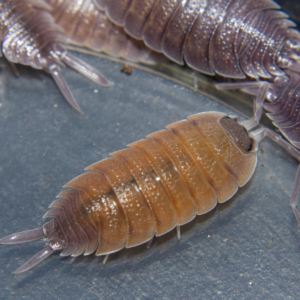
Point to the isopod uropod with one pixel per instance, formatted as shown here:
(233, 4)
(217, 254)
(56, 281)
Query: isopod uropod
(155, 185)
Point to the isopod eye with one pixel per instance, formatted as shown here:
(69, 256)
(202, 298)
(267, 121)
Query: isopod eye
(238, 133)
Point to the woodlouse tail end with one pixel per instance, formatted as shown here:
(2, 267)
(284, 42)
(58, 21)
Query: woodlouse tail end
(23, 237)
(84, 69)
(64, 88)
(36, 259)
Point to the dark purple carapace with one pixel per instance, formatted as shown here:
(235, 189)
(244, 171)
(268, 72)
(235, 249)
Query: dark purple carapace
(250, 42)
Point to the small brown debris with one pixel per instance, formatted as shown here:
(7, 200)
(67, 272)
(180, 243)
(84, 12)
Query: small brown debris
(126, 69)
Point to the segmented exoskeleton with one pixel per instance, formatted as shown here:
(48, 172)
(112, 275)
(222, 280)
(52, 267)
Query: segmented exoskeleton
(155, 185)
(248, 41)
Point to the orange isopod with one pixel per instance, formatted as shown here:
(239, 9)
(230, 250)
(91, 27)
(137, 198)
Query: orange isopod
(148, 189)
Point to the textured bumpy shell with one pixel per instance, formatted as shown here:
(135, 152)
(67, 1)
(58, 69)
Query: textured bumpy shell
(30, 30)
(87, 26)
(211, 36)
(146, 190)
(233, 38)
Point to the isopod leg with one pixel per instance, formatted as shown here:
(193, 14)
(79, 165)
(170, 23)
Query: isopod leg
(36, 259)
(195, 78)
(178, 232)
(149, 243)
(258, 135)
(105, 259)
(14, 68)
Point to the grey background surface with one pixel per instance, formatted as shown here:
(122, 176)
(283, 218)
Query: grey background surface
(247, 248)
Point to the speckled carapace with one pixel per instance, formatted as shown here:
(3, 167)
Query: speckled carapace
(249, 41)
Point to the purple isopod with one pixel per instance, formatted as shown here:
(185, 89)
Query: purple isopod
(249, 42)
